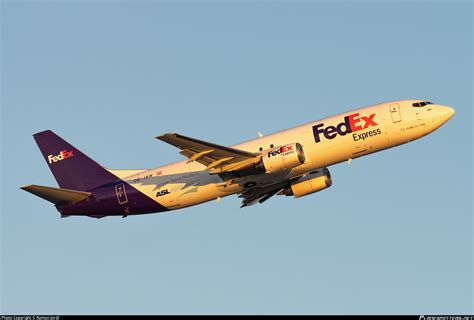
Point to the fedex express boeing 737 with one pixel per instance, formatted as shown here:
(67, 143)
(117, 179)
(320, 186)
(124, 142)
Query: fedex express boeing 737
(292, 163)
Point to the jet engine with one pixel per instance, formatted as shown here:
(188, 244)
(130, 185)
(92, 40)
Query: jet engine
(310, 183)
(281, 158)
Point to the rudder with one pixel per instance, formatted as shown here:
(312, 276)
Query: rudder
(71, 168)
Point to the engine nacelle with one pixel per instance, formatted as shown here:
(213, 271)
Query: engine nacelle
(312, 182)
(282, 158)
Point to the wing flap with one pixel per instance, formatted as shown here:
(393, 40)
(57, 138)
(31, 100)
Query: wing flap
(215, 157)
(195, 156)
(261, 194)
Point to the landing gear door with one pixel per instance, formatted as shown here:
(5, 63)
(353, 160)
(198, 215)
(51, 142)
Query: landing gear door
(395, 112)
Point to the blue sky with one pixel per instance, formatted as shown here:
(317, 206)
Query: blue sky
(392, 235)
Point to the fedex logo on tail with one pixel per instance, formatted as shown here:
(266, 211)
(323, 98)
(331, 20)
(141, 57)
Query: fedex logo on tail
(351, 123)
(61, 156)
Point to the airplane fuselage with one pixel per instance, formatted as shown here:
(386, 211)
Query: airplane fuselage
(325, 142)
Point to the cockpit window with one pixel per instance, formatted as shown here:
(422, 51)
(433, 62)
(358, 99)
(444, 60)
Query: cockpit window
(421, 104)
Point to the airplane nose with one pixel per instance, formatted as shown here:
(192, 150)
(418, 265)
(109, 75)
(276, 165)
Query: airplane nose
(446, 113)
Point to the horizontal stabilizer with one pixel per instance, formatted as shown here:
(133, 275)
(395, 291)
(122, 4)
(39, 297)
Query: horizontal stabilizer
(57, 195)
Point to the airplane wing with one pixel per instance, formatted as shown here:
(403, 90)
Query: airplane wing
(261, 194)
(216, 158)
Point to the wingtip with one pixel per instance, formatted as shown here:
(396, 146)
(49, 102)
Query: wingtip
(164, 135)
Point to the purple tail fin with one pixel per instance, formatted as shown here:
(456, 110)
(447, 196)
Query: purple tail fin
(71, 168)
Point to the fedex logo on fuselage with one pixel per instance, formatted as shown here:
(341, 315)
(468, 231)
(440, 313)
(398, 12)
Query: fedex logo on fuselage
(351, 123)
(280, 150)
(61, 156)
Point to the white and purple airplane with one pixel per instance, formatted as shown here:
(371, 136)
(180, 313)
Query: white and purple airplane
(292, 163)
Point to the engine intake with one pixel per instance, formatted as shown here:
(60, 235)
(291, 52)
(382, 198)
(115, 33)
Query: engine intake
(312, 182)
(281, 158)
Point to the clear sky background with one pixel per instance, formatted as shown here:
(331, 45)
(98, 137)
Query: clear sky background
(392, 235)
